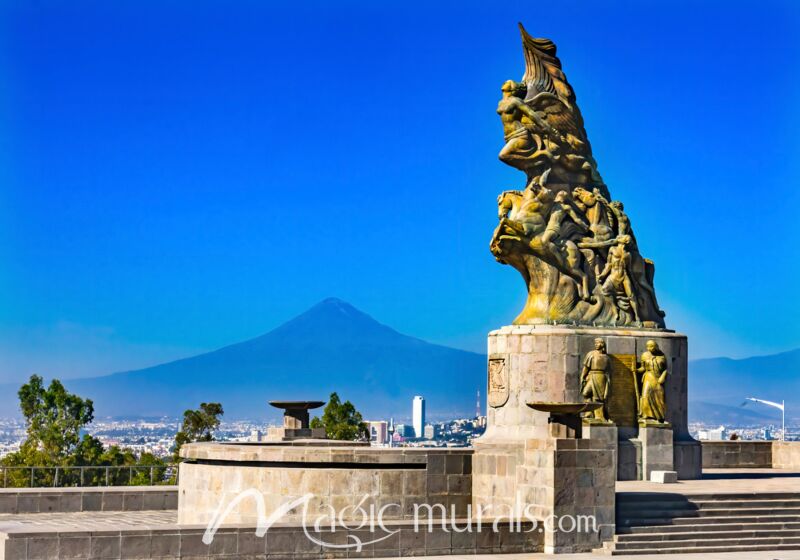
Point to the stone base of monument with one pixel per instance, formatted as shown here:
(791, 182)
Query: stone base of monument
(543, 363)
(549, 479)
(524, 461)
(657, 449)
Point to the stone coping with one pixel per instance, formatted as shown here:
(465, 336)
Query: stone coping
(301, 442)
(229, 452)
(583, 329)
(84, 489)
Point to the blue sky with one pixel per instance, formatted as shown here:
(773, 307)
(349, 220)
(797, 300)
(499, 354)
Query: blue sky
(179, 176)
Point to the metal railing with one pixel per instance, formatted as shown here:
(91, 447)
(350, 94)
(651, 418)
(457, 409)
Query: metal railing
(88, 476)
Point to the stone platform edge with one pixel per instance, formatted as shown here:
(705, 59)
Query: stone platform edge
(73, 500)
(280, 541)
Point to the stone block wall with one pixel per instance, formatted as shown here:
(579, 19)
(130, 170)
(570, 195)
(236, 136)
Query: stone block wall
(68, 500)
(285, 542)
(738, 454)
(340, 478)
(551, 479)
(785, 454)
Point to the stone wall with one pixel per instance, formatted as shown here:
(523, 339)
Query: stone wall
(737, 454)
(786, 455)
(341, 478)
(283, 542)
(115, 498)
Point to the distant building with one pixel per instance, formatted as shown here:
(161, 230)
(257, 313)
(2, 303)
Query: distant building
(418, 416)
(378, 432)
(717, 434)
(404, 430)
(429, 432)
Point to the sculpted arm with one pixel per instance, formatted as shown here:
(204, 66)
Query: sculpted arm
(586, 366)
(526, 110)
(662, 365)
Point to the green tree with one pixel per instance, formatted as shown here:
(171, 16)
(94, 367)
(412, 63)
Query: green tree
(341, 420)
(54, 419)
(198, 425)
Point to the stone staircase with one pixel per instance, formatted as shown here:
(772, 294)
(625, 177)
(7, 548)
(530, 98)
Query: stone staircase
(665, 523)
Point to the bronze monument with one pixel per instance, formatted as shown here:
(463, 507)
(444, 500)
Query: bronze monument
(573, 245)
(653, 367)
(595, 380)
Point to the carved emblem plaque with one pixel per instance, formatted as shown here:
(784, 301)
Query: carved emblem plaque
(622, 401)
(498, 382)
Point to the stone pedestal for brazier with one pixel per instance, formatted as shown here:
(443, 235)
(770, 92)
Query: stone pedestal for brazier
(518, 462)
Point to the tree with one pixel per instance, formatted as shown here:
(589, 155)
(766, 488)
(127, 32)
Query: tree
(341, 420)
(198, 425)
(54, 419)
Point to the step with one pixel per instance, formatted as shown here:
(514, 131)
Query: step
(644, 497)
(704, 543)
(707, 535)
(715, 513)
(702, 549)
(665, 521)
(704, 504)
(736, 525)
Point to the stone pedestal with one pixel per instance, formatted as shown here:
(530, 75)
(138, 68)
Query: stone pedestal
(521, 460)
(657, 449)
(543, 363)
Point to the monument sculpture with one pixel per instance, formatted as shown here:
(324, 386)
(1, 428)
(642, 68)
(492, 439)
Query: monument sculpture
(573, 246)
(591, 310)
(595, 379)
(652, 405)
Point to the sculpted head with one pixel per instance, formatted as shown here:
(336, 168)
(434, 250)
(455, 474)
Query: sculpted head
(617, 204)
(652, 347)
(600, 344)
(561, 196)
(513, 88)
(584, 196)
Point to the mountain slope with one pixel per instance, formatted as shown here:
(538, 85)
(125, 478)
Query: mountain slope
(729, 382)
(331, 347)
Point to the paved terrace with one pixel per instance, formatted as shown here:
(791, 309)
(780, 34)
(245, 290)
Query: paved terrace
(724, 481)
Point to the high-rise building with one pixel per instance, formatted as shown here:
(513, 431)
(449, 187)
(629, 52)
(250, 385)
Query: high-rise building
(418, 416)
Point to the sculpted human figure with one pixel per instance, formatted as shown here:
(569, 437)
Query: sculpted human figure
(595, 382)
(653, 367)
(617, 276)
(561, 210)
(522, 128)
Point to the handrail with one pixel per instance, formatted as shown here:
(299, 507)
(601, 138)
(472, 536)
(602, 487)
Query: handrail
(88, 476)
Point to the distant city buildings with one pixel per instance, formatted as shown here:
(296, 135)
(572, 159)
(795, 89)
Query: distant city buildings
(714, 434)
(418, 416)
(378, 432)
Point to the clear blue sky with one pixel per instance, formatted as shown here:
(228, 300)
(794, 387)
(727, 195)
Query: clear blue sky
(177, 176)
